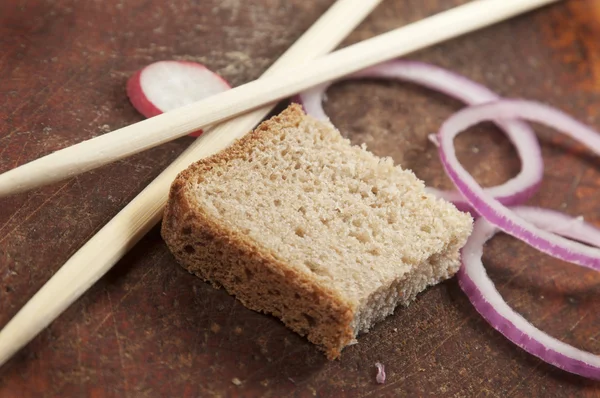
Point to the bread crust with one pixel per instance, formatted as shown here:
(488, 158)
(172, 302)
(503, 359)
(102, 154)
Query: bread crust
(253, 274)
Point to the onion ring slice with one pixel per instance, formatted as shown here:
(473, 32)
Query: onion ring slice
(491, 209)
(482, 293)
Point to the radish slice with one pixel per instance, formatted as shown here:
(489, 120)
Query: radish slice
(491, 209)
(166, 85)
(514, 191)
(482, 293)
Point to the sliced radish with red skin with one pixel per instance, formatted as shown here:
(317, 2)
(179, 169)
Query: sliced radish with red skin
(512, 192)
(482, 293)
(166, 85)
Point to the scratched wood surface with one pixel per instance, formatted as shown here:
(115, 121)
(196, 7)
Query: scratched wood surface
(150, 329)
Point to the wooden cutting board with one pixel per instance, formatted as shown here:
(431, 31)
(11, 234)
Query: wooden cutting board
(151, 329)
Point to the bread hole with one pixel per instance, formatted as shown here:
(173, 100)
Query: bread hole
(277, 202)
(296, 296)
(297, 166)
(302, 331)
(361, 236)
(374, 190)
(311, 265)
(283, 177)
(302, 210)
(310, 320)
(249, 274)
(189, 249)
(285, 152)
(357, 222)
(274, 292)
(273, 177)
(375, 252)
(308, 189)
(236, 280)
(315, 297)
(186, 231)
(325, 221)
(426, 228)
(281, 137)
(300, 232)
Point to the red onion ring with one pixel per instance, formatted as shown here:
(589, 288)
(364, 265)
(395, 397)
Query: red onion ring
(514, 191)
(482, 293)
(491, 209)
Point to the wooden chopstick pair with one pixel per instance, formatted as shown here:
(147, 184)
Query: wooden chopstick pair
(280, 84)
(99, 254)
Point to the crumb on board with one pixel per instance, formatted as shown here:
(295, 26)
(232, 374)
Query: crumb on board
(380, 373)
(352, 342)
(236, 381)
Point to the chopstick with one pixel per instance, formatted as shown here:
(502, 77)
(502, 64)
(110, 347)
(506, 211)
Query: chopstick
(101, 252)
(135, 138)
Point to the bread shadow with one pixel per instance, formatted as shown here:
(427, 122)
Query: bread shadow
(569, 148)
(212, 326)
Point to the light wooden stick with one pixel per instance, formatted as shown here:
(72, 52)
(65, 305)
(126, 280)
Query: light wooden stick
(117, 237)
(135, 138)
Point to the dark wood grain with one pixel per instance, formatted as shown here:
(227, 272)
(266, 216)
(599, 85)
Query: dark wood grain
(150, 329)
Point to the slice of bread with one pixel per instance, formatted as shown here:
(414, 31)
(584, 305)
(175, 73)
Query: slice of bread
(295, 221)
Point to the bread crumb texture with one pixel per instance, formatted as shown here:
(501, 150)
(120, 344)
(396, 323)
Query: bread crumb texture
(295, 221)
